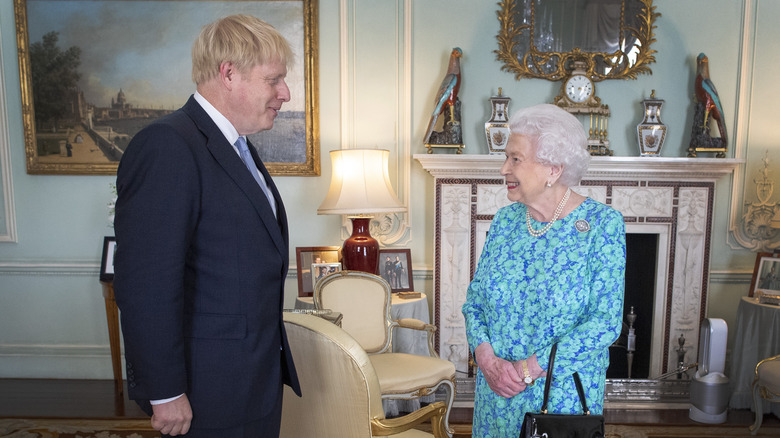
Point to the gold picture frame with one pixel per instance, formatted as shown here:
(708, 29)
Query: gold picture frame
(70, 134)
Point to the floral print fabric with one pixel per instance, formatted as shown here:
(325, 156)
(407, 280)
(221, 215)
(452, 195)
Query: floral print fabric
(530, 292)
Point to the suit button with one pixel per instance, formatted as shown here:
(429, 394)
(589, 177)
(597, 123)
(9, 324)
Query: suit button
(132, 385)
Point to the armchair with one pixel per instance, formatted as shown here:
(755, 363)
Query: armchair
(341, 396)
(766, 386)
(364, 301)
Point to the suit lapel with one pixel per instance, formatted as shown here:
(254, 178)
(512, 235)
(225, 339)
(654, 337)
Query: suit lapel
(228, 159)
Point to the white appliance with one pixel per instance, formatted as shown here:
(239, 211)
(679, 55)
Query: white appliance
(710, 387)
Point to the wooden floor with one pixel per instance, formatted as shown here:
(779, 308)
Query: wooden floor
(95, 399)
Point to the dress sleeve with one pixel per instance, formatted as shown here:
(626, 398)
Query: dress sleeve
(602, 321)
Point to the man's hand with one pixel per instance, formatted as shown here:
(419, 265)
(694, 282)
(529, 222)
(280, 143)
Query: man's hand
(500, 374)
(173, 418)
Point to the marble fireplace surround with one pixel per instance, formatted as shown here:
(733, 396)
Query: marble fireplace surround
(671, 197)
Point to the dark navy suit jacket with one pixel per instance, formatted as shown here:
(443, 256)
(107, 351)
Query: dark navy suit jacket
(199, 273)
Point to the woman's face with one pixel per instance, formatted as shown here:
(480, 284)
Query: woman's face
(525, 177)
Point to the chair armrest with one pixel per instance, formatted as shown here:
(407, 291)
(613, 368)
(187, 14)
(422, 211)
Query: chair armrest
(416, 324)
(391, 426)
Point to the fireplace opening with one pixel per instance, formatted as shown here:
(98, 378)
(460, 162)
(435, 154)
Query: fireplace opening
(641, 266)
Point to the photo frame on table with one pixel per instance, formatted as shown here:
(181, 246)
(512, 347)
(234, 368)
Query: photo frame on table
(107, 260)
(322, 270)
(109, 85)
(395, 266)
(766, 274)
(305, 257)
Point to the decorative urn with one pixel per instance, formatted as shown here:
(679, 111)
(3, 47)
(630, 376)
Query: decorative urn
(497, 128)
(651, 133)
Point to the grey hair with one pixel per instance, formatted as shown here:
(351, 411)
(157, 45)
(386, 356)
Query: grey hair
(559, 138)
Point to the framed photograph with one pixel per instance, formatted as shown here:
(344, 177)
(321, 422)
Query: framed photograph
(107, 261)
(305, 257)
(395, 266)
(91, 78)
(766, 274)
(321, 270)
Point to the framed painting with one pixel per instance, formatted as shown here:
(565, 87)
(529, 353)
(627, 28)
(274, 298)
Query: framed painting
(395, 266)
(94, 73)
(107, 260)
(306, 257)
(766, 274)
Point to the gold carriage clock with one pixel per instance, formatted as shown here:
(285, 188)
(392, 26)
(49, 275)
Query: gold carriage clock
(497, 128)
(578, 96)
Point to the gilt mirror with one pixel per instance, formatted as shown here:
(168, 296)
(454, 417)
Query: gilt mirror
(541, 39)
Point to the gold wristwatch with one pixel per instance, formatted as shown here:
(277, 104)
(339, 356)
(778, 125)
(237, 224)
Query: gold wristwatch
(527, 374)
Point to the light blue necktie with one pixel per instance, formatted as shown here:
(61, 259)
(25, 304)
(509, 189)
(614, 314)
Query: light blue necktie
(249, 162)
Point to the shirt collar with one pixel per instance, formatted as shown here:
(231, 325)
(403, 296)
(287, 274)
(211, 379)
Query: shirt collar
(224, 125)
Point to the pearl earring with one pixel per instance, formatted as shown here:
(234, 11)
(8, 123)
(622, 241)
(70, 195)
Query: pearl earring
(548, 184)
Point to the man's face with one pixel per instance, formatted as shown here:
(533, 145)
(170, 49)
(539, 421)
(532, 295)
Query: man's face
(258, 96)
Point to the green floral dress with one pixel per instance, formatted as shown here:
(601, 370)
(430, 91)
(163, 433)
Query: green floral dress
(530, 292)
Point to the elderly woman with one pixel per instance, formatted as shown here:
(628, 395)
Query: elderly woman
(551, 271)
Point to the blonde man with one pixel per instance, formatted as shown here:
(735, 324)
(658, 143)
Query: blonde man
(202, 246)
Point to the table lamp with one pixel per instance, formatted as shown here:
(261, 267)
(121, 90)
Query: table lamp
(360, 187)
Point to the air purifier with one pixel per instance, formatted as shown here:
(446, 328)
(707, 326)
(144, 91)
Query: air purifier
(710, 387)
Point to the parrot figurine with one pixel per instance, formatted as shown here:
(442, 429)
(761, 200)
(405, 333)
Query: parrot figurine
(707, 95)
(447, 96)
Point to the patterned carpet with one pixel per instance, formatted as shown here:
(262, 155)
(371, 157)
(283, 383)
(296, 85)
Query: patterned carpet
(62, 428)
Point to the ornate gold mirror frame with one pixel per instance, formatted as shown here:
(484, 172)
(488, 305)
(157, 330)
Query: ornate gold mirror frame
(517, 19)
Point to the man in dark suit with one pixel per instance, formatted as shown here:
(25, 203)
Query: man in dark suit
(202, 246)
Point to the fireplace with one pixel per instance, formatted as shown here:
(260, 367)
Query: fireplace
(670, 199)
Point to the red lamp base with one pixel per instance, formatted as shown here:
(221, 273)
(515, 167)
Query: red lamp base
(361, 251)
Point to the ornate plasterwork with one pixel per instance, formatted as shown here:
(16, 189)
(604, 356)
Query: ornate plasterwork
(681, 201)
(758, 226)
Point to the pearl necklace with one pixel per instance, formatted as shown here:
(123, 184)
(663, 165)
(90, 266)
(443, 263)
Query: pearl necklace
(558, 211)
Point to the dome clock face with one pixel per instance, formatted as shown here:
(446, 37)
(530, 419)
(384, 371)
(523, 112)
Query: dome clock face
(579, 88)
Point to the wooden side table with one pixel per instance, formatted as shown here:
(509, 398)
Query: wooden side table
(112, 318)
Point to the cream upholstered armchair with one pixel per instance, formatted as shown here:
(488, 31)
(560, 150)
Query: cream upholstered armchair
(766, 386)
(341, 396)
(364, 301)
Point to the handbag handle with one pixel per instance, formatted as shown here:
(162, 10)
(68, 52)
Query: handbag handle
(548, 380)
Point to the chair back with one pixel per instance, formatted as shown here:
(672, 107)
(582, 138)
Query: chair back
(340, 389)
(364, 301)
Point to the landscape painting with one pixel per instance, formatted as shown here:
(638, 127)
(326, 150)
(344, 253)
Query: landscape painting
(94, 73)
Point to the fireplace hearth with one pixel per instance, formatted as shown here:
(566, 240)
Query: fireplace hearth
(671, 198)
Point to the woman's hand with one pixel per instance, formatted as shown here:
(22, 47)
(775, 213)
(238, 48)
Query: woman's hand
(534, 369)
(500, 374)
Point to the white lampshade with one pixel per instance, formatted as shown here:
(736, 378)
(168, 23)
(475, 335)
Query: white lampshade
(360, 184)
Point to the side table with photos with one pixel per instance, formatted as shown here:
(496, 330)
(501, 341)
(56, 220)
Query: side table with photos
(757, 337)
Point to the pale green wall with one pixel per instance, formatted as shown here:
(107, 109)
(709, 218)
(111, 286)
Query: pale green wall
(52, 322)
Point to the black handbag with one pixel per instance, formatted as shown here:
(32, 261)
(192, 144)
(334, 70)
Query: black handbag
(544, 425)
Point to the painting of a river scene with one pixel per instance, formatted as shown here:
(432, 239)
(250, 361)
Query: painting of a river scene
(97, 72)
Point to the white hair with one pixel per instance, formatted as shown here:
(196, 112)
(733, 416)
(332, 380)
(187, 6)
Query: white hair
(559, 138)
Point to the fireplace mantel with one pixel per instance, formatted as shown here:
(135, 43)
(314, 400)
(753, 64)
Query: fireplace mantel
(671, 197)
(679, 169)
